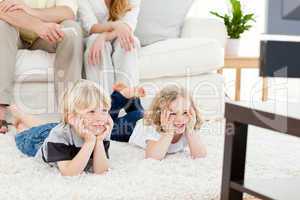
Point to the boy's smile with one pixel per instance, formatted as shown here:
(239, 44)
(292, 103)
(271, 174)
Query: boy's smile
(95, 119)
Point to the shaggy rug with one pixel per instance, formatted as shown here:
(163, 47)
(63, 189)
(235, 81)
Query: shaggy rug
(131, 177)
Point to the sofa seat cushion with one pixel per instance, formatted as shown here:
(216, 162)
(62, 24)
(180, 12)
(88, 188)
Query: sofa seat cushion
(34, 66)
(178, 57)
(169, 58)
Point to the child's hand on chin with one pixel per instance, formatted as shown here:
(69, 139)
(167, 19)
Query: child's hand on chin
(192, 121)
(108, 128)
(167, 123)
(86, 134)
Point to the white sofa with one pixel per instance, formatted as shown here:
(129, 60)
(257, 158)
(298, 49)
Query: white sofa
(190, 60)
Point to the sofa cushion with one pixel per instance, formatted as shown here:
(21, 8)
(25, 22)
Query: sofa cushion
(160, 20)
(34, 66)
(173, 57)
(178, 57)
(207, 90)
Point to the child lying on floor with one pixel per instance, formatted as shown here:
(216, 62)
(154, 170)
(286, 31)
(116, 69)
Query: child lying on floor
(78, 143)
(171, 123)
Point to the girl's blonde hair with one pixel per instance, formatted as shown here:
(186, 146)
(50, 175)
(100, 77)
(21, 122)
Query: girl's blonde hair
(118, 8)
(163, 100)
(82, 95)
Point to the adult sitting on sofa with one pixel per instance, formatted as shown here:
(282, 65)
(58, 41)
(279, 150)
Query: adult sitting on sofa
(112, 49)
(38, 24)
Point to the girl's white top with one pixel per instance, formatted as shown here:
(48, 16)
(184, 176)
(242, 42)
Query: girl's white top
(142, 134)
(91, 12)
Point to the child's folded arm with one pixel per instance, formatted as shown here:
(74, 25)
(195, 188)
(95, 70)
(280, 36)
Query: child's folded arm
(158, 149)
(77, 165)
(100, 161)
(196, 146)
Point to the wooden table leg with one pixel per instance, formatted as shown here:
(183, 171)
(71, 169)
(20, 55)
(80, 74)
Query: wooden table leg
(265, 89)
(238, 84)
(234, 159)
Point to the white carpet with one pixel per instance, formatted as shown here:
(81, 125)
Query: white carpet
(132, 177)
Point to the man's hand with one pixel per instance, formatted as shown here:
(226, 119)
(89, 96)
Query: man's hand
(94, 56)
(7, 5)
(124, 35)
(21, 6)
(51, 32)
(1, 13)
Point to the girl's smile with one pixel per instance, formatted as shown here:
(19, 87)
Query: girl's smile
(179, 112)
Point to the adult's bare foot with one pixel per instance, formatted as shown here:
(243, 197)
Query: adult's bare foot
(129, 92)
(3, 126)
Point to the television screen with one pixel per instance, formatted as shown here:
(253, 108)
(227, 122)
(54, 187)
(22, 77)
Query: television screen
(291, 9)
(279, 50)
(283, 17)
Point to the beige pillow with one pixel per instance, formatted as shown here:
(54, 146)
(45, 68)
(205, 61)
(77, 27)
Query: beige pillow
(161, 19)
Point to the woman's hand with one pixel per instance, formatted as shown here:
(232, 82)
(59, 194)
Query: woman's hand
(94, 56)
(192, 121)
(107, 131)
(124, 35)
(167, 123)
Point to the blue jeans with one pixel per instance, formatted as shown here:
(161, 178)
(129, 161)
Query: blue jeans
(29, 141)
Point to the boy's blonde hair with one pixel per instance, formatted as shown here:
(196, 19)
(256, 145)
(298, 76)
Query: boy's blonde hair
(163, 100)
(82, 95)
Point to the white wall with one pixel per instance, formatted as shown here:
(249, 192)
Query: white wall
(280, 89)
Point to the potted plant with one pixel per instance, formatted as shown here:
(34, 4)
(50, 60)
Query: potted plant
(236, 23)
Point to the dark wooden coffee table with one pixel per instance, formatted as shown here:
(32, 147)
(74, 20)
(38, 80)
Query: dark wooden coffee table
(238, 117)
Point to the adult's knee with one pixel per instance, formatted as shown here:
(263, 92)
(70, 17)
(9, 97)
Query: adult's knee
(72, 26)
(7, 31)
(73, 40)
(136, 44)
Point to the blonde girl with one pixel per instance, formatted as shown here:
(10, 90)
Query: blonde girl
(171, 124)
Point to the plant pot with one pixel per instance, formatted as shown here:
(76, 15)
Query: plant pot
(232, 47)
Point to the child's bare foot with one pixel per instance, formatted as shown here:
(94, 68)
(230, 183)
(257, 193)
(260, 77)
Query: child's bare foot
(3, 127)
(129, 92)
(18, 116)
(20, 127)
(16, 112)
(118, 86)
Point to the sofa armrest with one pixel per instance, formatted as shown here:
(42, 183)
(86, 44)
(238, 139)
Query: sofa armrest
(205, 28)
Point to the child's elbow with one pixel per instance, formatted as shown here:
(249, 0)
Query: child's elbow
(200, 155)
(101, 172)
(65, 173)
(154, 157)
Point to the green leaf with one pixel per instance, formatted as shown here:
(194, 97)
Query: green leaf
(217, 14)
(248, 17)
(236, 22)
